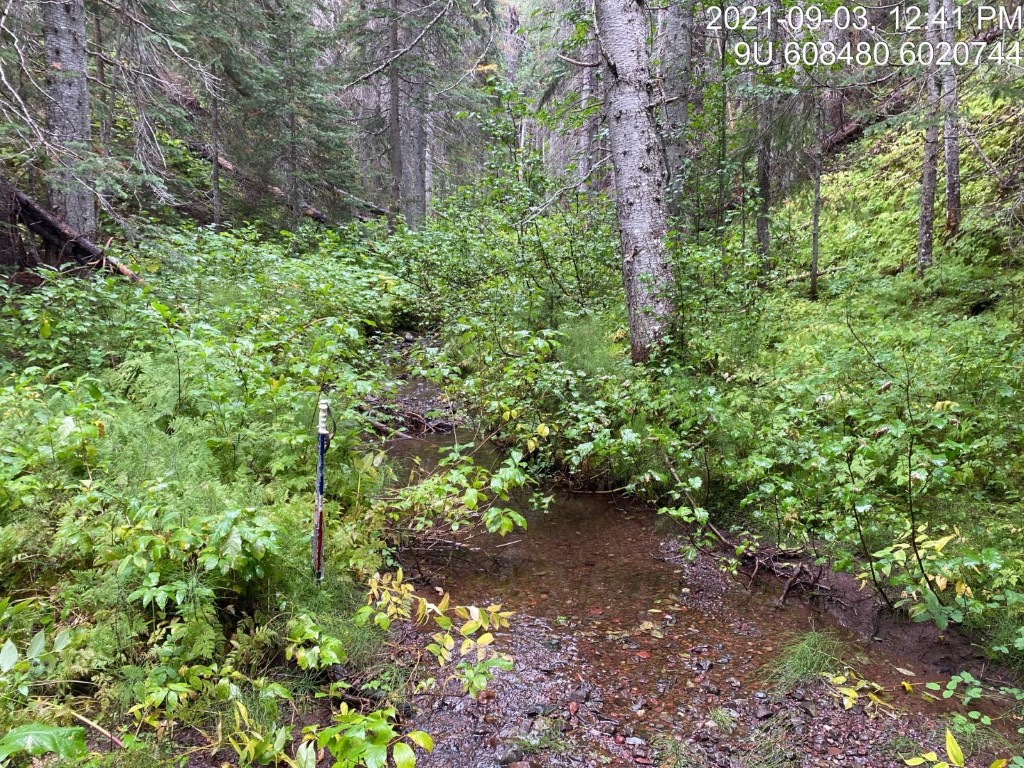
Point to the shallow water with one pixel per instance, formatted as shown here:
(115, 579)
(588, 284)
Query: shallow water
(624, 651)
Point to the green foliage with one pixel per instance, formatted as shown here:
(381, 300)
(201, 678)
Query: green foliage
(156, 453)
(392, 598)
(40, 739)
(358, 739)
(867, 428)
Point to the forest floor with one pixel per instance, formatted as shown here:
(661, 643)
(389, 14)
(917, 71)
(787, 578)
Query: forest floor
(627, 653)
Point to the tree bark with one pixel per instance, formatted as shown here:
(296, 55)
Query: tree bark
(929, 168)
(765, 120)
(764, 180)
(951, 127)
(395, 107)
(815, 225)
(676, 57)
(67, 111)
(218, 207)
(414, 155)
(639, 163)
(588, 93)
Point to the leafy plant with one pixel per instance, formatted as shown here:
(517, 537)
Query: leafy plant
(954, 756)
(357, 739)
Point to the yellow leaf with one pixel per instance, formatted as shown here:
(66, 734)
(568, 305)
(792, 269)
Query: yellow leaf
(543, 430)
(956, 755)
(907, 686)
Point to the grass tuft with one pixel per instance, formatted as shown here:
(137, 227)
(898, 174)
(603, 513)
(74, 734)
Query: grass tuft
(806, 659)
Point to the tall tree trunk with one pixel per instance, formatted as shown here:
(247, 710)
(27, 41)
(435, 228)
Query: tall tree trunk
(639, 163)
(929, 168)
(395, 108)
(765, 120)
(67, 111)
(951, 127)
(815, 223)
(676, 56)
(588, 93)
(414, 156)
(723, 143)
(428, 156)
(764, 179)
(215, 142)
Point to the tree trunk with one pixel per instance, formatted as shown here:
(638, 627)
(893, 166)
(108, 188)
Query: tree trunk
(765, 120)
(815, 224)
(588, 93)
(951, 128)
(764, 178)
(12, 250)
(218, 207)
(414, 156)
(639, 163)
(395, 109)
(67, 112)
(929, 169)
(428, 158)
(676, 57)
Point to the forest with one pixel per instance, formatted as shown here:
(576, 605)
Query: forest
(477, 383)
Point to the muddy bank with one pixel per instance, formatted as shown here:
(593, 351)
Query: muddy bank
(626, 654)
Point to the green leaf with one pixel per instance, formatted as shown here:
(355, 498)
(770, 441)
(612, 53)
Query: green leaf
(60, 642)
(421, 739)
(305, 755)
(403, 755)
(42, 739)
(8, 656)
(37, 645)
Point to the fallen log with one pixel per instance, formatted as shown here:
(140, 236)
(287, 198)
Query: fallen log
(206, 153)
(897, 103)
(58, 235)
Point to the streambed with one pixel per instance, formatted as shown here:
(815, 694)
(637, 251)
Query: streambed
(627, 654)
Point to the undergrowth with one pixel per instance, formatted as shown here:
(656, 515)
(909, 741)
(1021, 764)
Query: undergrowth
(157, 465)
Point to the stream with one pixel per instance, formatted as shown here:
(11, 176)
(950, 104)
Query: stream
(628, 654)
